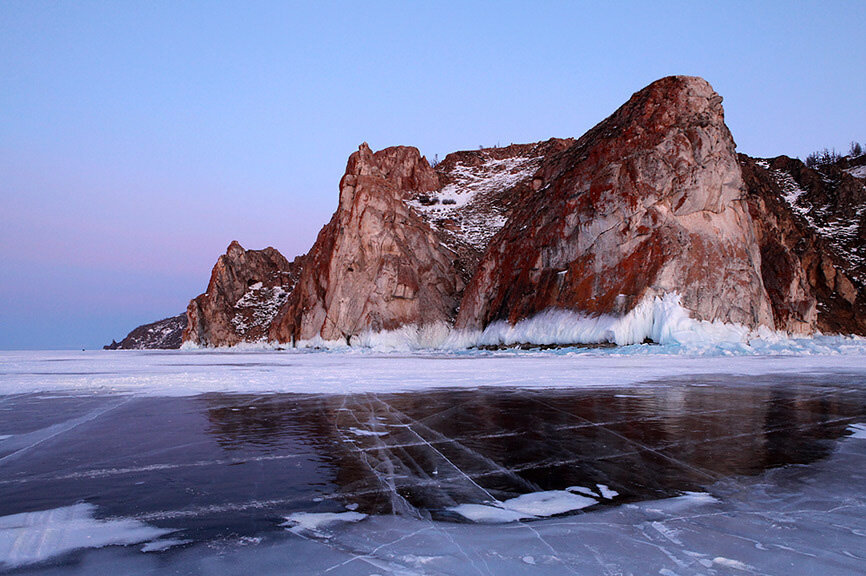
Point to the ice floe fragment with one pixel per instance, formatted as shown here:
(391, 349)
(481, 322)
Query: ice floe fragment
(485, 514)
(525, 506)
(606, 492)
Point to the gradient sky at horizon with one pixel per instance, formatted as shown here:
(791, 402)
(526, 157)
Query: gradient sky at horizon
(138, 139)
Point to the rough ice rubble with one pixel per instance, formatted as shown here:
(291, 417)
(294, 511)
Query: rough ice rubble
(661, 319)
(32, 537)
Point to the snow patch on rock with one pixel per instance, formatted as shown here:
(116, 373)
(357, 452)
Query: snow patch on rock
(858, 172)
(464, 202)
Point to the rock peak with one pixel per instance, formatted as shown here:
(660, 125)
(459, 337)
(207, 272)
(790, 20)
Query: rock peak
(235, 249)
(645, 203)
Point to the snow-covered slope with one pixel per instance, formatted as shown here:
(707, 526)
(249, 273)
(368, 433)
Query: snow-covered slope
(470, 207)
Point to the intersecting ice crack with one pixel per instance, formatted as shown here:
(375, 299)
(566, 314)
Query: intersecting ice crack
(370, 558)
(536, 534)
(399, 504)
(62, 428)
(438, 452)
(696, 469)
(493, 465)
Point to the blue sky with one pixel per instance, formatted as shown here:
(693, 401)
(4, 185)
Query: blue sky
(138, 139)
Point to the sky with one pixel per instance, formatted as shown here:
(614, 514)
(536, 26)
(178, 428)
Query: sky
(138, 139)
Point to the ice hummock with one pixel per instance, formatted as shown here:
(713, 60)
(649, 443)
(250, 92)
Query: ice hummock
(659, 319)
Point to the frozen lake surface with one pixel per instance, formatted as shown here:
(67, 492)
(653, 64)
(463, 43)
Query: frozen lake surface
(472, 463)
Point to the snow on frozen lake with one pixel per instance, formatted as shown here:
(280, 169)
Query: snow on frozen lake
(632, 460)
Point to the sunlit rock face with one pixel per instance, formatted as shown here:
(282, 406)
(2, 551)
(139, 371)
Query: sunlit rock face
(246, 290)
(377, 264)
(650, 201)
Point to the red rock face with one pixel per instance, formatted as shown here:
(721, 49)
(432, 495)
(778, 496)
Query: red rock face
(377, 265)
(246, 290)
(648, 202)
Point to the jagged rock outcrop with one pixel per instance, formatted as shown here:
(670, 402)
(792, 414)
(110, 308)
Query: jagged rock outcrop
(648, 202)
(246, 290)
(163, 334)
(811, 228)
(377, 264)
(653, 200)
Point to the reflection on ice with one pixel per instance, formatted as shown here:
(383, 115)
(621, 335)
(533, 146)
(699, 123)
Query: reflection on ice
(685, 476)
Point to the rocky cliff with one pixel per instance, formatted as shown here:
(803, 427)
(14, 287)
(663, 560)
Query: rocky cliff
(648, 202)
(811, 227)
(377, 264)
(163, 334)
(654, 200)
(246, 290)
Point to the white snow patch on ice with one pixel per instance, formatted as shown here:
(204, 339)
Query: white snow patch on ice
(606, 492)
(857, 431)
(484, 514)
(316, 521)
(735, 564)
(548, 503)
(32, 537)
(525, 506)
(681, 503)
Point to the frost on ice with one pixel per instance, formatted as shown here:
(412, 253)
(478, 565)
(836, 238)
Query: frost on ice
(36, 536)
